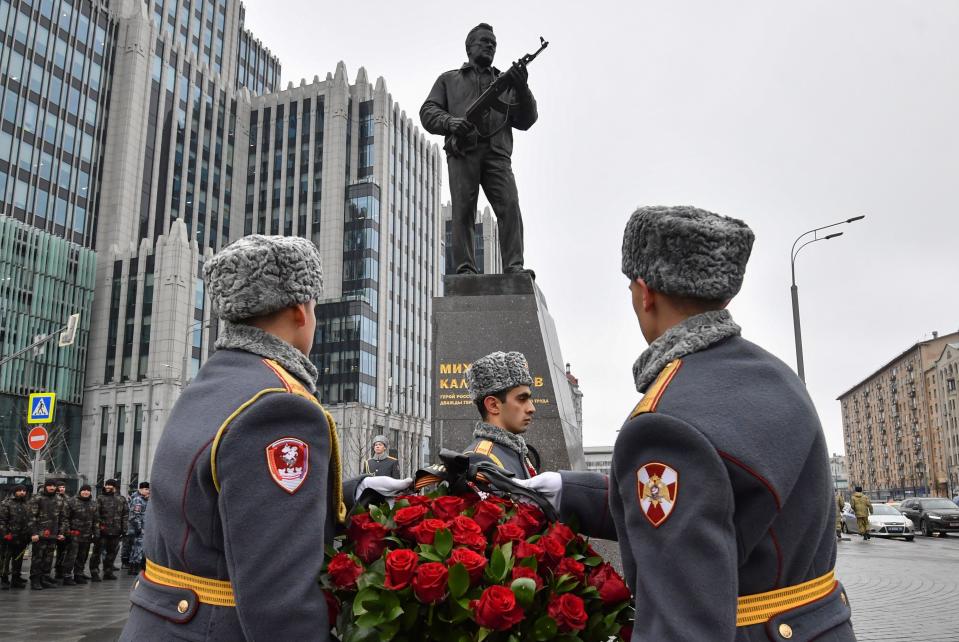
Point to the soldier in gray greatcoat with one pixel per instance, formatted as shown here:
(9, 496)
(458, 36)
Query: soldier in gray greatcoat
(720, 492)
(381, 463)
(246, 487)
(499, 385)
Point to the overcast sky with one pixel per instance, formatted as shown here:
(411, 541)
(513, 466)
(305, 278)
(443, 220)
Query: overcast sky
(789, 115)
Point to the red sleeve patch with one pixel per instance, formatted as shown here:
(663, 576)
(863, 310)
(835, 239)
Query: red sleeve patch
(289, 462)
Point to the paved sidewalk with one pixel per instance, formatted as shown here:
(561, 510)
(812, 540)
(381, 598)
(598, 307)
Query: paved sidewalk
(93, 612)
(902, 590)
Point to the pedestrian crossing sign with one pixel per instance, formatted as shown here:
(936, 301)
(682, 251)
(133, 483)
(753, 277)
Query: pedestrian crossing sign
(41, 407)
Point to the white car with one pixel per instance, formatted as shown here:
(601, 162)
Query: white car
(885, 521)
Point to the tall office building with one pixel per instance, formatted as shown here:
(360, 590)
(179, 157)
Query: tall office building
(342, 165)
(55, 88)
(200, 149)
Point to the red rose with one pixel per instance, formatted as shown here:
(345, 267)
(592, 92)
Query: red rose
(464, 524)
(569, 566)
(425, 531)
(400, 567)
(568, 612)
(525, 549)
(525, 571)
(429, 585)
(487, 514)
(554, 548)
(476, 541)
(626, 633)
(448, 507)
(530, 518)
(369, 542)
(612, 589)
(355, 527)
(509, 532)
(497, 609)
(407, 517)
(332, 608)
(344, 571)
(467, 532)
(415, 500)
(562, 532)
(473, 562)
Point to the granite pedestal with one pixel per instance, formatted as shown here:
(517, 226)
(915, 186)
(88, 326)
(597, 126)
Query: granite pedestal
(480, 314)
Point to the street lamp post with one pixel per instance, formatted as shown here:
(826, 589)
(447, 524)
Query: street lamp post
(794, 291)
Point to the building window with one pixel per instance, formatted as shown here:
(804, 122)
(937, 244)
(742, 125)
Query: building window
(118, 451)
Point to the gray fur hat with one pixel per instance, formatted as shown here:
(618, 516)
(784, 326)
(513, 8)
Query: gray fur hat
(258, 274)
(382, 440)
(497, 372)
(685, 251)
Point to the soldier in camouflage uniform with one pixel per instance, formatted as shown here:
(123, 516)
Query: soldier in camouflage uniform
(47, 524)
(138, 511)
(14, 537)
(63, 545)
(112, 519)
(499, 385)
(82, 532)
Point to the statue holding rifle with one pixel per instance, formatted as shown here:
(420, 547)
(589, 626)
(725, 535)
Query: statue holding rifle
(476, 108)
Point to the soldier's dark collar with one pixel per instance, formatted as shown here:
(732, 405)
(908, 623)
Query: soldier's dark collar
(470, 66)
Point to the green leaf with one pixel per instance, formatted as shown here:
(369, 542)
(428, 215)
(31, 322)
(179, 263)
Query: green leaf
(370, 620)
(483, 633)
(443, 542)
(459, 580)
(377, 514)
(529, 562)
(592, 561)
(497, 565)
(395, 540)
(366, 600)
(524, 588)
(544, 628)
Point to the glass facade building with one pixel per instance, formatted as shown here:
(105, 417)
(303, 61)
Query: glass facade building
(55, 60)
(43, 279)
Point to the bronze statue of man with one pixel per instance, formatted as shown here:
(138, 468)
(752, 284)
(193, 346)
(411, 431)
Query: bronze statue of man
(486, 161)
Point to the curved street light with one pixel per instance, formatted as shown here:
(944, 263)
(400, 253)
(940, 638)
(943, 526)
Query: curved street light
(800, 368)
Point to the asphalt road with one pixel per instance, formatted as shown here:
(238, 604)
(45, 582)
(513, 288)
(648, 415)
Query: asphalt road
(903, 591)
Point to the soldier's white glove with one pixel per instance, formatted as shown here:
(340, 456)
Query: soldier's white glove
(549, 485)
(385, 486)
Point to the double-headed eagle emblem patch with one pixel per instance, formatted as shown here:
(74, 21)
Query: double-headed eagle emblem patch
(656, 487)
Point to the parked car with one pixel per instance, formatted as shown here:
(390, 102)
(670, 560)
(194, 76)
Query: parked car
(885, 521)
(932, 514)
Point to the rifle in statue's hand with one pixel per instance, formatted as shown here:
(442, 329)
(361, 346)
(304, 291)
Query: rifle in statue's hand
(458, 145)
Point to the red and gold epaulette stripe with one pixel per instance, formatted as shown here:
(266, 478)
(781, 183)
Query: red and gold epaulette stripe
(485, 448)
(656, 389)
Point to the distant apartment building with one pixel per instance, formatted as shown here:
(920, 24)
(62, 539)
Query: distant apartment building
(486, 249)
(894, 436)
(941, 377)
(598, 458)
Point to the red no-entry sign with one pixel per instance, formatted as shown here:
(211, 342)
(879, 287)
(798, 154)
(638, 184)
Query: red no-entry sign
(37, 438)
